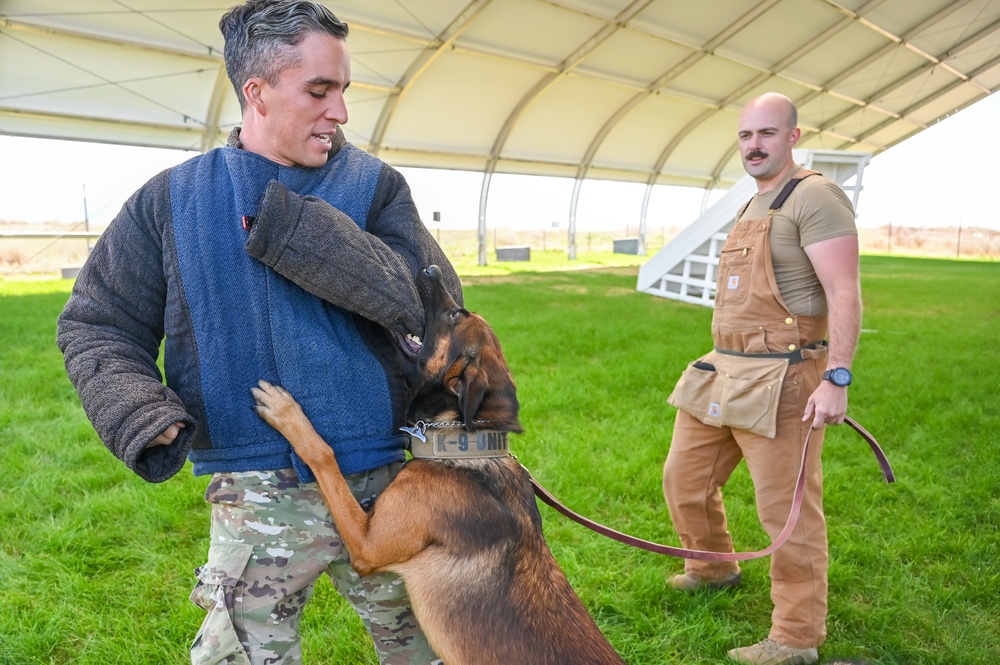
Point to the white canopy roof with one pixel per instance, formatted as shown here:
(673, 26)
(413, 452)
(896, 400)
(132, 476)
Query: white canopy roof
(635, 90)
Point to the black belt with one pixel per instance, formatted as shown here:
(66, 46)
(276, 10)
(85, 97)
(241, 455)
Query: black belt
(793, 357)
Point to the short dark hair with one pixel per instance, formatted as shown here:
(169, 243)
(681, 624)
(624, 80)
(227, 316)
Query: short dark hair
(260, 37)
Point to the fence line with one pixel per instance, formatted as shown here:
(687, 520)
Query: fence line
(26, 249)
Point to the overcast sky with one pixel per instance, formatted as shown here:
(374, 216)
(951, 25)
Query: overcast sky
(946, 175)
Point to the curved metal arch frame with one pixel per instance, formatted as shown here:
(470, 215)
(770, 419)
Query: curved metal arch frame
(434, 46)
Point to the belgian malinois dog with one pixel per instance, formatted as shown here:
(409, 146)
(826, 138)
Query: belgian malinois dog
(459, 523)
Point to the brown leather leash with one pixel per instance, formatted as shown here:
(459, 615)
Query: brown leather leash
(703, 555)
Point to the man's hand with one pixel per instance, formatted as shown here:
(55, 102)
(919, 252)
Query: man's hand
(168, 435)
(827, 405)
(836, 264)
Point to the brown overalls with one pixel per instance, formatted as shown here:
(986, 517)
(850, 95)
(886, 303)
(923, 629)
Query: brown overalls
(750, 317)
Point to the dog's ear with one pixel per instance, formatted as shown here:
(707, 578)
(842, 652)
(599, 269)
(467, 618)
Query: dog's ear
(469, 382)
(475, 385)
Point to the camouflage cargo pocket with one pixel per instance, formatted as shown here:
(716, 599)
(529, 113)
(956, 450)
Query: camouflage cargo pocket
(220, 574)
(217, 593)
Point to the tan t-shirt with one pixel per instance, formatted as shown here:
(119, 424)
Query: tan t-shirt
(817, 209)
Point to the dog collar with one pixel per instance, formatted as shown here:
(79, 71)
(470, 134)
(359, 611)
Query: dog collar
(454, 443)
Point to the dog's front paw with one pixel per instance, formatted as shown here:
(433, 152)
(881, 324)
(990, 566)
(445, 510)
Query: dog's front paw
(277, 407)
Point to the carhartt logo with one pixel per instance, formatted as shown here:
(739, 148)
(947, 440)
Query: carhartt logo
(734, 282)
(714, 409)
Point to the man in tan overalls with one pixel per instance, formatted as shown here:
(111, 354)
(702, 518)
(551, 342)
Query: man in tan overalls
(788, 281)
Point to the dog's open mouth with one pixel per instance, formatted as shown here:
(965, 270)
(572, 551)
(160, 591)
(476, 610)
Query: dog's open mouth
(410, 344)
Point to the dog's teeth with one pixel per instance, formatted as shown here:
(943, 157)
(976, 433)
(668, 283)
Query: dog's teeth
(415, 339)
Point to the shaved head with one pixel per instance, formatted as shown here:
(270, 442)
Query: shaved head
(776, 100)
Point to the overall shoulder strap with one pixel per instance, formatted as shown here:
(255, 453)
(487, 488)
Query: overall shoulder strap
(743, 209)
(786, 191)
(782, 196)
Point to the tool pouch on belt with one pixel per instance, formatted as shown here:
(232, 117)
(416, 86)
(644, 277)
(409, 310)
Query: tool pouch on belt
(725, 390)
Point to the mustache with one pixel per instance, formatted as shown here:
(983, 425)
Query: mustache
(756, 154)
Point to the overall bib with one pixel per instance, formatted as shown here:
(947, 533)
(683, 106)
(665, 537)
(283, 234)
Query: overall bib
(751, 322)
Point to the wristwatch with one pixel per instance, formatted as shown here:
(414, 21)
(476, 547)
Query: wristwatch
(838, 376)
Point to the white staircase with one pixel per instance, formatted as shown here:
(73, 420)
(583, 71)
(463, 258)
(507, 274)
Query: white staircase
(685, 268)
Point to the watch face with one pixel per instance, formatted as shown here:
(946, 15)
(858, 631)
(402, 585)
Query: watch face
(840, 377)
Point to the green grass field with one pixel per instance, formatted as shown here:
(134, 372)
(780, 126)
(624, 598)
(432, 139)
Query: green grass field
(96, 565)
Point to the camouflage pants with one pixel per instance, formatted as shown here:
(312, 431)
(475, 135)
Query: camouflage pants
(272, 538)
